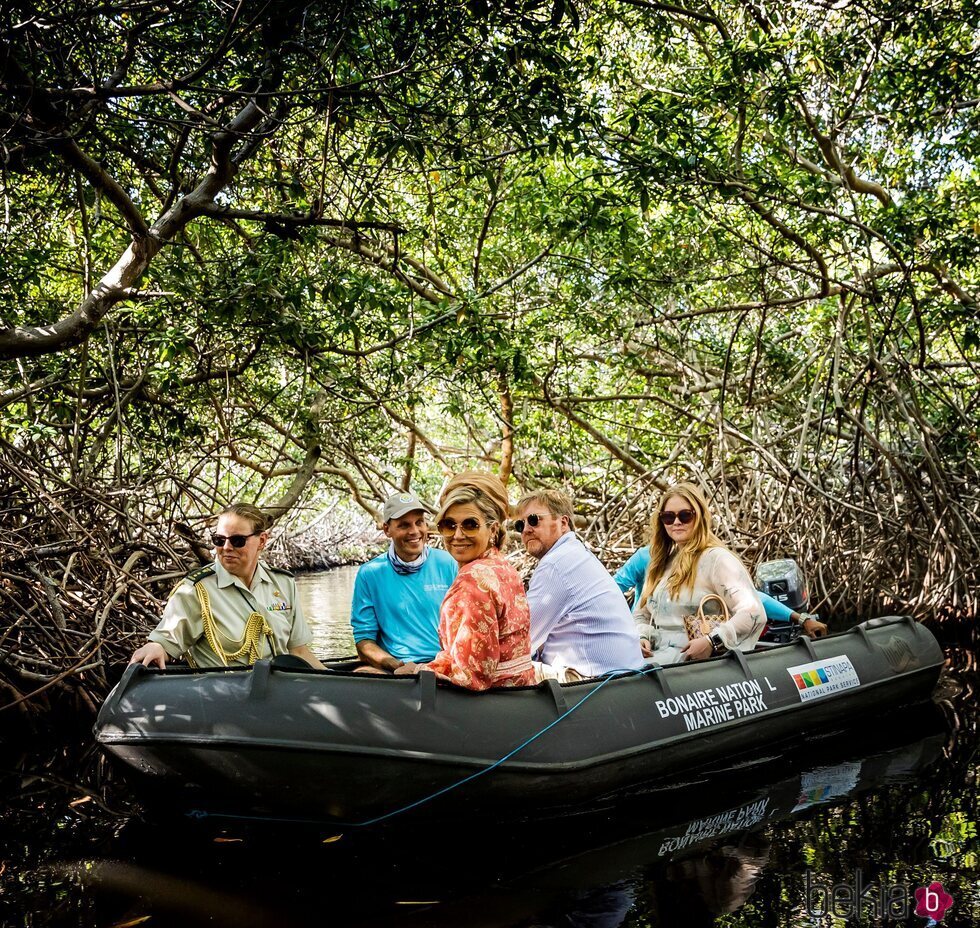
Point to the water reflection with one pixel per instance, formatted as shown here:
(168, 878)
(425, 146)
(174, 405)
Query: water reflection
(326, 597)
(893, 805)
(736, 844)
(604, 907)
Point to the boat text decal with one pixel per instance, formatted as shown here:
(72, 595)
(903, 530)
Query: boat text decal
(723, 823)
(715, 704)
(821, 678)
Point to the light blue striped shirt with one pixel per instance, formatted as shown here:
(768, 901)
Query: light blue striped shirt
(578, 614)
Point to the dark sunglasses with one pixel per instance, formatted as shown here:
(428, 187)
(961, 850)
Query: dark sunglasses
(237, 541)
(534, 520)
(470, 526)
(684, 516)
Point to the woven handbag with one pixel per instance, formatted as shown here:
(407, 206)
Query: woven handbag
(700, 625)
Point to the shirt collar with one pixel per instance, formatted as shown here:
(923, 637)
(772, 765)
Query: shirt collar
(561, 541)
(225, 579)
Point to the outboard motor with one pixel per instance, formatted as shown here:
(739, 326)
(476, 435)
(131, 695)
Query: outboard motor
(783, 581)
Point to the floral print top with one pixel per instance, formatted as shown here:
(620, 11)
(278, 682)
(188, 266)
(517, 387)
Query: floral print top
(485, 627)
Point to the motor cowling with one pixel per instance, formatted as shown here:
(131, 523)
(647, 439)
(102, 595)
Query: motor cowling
(783, 581)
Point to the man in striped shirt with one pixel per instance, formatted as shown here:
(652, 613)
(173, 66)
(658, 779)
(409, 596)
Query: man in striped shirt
(580, 623)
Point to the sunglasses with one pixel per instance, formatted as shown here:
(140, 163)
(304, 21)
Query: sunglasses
(237, 541)
(470, 526)
(684, 516)
(534, 520)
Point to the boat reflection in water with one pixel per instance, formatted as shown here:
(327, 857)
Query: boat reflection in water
(678, 855)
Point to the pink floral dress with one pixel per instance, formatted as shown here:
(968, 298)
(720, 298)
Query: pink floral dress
(485, 627)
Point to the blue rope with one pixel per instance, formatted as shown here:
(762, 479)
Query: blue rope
(609, 677)
(446, 789)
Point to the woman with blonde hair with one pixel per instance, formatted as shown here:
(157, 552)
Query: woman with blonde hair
(484, 622)
(687, 563)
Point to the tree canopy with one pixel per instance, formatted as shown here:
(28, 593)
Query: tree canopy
(290, 252)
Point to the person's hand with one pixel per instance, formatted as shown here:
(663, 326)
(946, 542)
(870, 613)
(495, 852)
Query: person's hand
(150, 655)
(409, 667)
(814, 628)
(645, 648)
(697, 650)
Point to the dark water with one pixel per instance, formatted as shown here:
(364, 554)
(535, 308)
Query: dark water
(872, 816)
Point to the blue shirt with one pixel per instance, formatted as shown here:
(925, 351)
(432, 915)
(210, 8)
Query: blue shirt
(401, 611)
(632, 573)
(578, 614)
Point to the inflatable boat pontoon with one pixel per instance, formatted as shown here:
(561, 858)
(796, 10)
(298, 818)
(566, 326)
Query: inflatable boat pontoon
(355, 748)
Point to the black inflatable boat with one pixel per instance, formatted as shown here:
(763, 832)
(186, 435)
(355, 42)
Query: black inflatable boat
(353, 748)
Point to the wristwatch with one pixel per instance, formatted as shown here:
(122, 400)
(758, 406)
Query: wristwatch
(717, 644)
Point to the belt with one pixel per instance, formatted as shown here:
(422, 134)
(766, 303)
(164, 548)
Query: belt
(512, 667)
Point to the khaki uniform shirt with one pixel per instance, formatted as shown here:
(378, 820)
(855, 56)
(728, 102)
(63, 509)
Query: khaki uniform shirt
(273, 594)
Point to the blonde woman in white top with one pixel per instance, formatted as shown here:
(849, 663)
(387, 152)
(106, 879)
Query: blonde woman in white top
(687, 562)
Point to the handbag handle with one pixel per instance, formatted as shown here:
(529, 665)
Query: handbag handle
(725, 614)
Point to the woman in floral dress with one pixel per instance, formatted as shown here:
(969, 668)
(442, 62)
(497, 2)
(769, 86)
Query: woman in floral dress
(484, 622)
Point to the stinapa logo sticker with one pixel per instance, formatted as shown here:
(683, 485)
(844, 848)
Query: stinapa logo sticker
(932, 902)
(823, 677)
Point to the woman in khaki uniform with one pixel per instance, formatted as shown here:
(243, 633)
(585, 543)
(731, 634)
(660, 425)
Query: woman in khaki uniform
(235, 610)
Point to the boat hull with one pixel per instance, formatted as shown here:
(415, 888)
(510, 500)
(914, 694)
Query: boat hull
(352, 748)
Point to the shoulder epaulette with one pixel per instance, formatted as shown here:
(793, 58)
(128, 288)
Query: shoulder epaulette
(196, 576)
(278, 570)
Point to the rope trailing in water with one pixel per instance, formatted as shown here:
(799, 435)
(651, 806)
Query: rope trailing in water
(612, 675)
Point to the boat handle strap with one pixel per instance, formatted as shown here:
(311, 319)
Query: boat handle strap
(259, 682)
(427, 691)
(129, 674)
(557, 695)
(804, 642)
(656, 672)
(739, 658)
